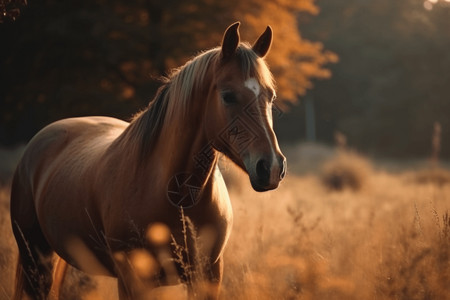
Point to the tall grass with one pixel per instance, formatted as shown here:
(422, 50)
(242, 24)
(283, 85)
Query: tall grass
(7, 246)
(387, 240)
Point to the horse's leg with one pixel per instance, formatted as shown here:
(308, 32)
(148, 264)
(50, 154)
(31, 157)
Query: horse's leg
(127, 281)
(34, 276)
(215, 279)
(132, 283)
(124, 293)
(59, 273)
(34, 269)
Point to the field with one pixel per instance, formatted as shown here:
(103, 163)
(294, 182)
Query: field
(339, 227)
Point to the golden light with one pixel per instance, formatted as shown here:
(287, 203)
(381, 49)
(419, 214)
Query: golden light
(158, 234)
(144, 264)
(428, 5)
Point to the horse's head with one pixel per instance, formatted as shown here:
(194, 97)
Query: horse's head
(239, 110)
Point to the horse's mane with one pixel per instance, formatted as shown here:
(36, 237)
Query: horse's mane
(177, 89)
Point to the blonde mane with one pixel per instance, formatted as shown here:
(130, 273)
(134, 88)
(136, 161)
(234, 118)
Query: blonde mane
(174, 96)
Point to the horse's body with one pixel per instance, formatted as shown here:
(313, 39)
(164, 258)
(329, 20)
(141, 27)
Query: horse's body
(89, 188)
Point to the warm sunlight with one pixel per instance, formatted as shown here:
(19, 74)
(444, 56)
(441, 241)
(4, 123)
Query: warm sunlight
(428, 5)
(210, 149)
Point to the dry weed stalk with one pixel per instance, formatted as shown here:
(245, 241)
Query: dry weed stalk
(192, 258)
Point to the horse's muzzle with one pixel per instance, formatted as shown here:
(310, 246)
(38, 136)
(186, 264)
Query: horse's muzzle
(268, 173)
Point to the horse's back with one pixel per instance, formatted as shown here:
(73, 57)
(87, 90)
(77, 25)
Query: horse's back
(70, 137)
(83, 130)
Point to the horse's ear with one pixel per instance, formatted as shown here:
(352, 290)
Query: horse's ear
(263, 43)
(230, 41)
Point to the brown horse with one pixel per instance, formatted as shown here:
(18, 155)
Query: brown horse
(90, 189)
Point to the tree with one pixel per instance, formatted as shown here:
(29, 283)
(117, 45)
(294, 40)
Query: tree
(10, 9)
(71, 58)
(389, 87)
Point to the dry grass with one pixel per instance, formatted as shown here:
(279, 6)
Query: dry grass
(7, 247)
(387, 240)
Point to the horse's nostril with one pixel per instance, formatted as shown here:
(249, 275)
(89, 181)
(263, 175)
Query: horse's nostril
(263, 170)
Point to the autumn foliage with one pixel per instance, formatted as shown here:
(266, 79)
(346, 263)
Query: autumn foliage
(73, 58)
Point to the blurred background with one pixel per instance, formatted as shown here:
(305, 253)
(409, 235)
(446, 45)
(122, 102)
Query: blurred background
(374, 72)
(363, 108)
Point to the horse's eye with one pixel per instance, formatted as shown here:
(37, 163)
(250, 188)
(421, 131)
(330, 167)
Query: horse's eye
(229, 98)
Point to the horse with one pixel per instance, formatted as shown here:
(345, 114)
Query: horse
(93, 191)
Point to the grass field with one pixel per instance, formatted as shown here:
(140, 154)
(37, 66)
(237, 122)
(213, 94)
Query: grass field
(339, 227)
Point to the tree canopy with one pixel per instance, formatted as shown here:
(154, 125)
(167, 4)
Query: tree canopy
(391, 84)
(103, 57)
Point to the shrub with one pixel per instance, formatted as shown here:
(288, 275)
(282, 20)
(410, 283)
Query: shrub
(436, 175)
(346, 170)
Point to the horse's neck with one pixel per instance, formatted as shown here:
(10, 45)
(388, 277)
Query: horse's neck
(181, 147)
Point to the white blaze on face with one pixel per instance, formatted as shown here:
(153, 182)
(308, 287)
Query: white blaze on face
(253, 85)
